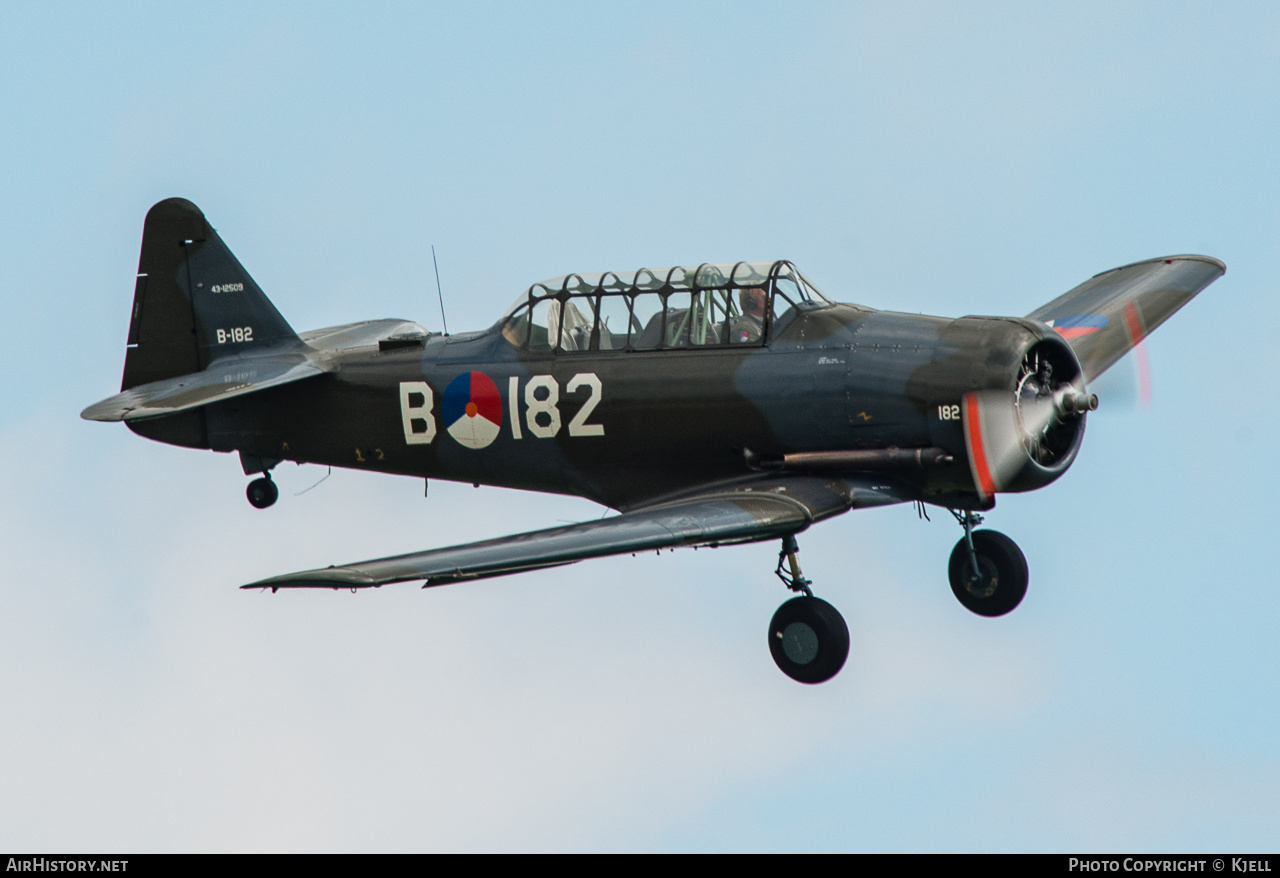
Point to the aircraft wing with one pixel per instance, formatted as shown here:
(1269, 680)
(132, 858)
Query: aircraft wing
(223, 379)
(762, 510)
(1107, 315)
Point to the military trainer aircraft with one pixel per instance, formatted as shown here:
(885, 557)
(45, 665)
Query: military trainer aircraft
(709, 405)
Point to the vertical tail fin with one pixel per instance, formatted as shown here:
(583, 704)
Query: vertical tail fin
(193, 302)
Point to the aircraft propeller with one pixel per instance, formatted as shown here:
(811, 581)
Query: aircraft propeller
(1021, 439)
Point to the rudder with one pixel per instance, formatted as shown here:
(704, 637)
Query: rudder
(193, 302)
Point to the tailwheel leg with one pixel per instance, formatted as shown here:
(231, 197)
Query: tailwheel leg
(808, 638)
(262, 492)
(988, 571)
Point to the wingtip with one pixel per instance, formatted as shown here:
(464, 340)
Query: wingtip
(1196, 257)
(1169, 260)
(325, 577)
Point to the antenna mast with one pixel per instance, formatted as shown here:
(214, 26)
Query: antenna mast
(439, 292)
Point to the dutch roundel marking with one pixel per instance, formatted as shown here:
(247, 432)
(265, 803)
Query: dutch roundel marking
(1080, 324)
(472, 409)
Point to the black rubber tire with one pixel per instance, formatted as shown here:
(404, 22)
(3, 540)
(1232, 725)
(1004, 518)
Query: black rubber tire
(808, 639)
(262, 493)
(1006, 574)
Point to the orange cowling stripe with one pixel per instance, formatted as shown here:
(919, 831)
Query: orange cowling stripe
(977, 453)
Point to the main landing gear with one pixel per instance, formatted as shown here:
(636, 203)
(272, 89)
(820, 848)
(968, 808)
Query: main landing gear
(808, 638)
(988, 571)
(262, 492)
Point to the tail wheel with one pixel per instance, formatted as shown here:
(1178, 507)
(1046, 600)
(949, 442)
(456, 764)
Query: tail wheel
(999, 583)
(808, 639)
(262, 493)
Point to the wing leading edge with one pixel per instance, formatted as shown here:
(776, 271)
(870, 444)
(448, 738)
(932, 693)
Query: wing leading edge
(761, 510)
(1107, 315)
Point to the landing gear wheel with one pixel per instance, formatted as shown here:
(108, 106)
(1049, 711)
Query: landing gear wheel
(808, 639)
(262, 493)
(1000, 582)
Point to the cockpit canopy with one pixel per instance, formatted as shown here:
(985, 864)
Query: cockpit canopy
(661, 308)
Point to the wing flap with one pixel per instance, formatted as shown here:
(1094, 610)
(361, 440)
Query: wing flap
(223, 379)
(760, 511)
(1107, 315)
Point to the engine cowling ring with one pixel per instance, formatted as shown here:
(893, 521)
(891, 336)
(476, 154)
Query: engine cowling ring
(1026, 434)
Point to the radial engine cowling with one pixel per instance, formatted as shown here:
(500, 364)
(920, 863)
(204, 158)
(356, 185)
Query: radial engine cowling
(1026, 433)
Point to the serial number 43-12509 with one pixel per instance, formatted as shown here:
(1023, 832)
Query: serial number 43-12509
(949, 412)
(238, 334)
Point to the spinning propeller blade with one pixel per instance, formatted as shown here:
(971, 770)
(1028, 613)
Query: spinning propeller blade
(1035, 426)
(1128, 385)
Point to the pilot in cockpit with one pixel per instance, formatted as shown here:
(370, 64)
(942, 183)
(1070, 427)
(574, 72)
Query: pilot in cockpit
(749, 325)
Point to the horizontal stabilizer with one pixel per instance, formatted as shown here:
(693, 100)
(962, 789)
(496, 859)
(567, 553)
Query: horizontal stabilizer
(224, 379)
(760, 511)
(1109, 314)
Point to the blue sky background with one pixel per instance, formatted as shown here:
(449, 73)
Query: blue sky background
(943, 158)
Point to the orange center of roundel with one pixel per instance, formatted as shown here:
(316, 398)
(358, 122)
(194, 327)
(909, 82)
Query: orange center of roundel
(472, 409)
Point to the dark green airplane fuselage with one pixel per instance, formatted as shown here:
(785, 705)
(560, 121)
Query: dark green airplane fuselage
(680, 392)
(837, 377)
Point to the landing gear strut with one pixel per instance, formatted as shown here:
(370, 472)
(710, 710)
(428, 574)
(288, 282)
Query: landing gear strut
(262, 492)
(808, 638)
(988, 571)
(790, 574)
